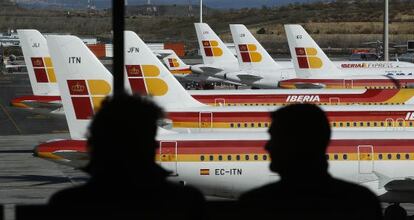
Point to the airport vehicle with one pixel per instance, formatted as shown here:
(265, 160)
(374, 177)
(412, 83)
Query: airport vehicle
(40, 70)
(315, 70)
(82, 78)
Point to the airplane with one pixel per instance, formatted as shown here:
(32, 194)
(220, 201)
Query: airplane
(40, 70)
(228, 164)
(214, 97)
(221, 164)
(263, 72)
(182, 71)
(217, 57)
(315, 70)
(146, 75)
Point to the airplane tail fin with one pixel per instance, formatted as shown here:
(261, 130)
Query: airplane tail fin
(250, 52)
(212, 48)
(38, 62)
(146, 75)
(176, 66)
(83, 81)
(308, 58)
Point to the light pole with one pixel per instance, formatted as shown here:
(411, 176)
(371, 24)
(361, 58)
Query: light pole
(201, 11)
(385, 40)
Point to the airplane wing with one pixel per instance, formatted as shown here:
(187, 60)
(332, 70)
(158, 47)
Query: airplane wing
(74, 159)
(398, 190)
(211, 70)
(310, 85)
(249, 77)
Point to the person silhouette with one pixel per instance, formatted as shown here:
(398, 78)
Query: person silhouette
(125, 180)
(299, 136)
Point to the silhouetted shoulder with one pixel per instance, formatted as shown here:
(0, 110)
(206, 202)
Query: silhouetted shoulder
(329, 199)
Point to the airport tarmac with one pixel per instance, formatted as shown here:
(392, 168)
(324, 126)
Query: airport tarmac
(25, 179)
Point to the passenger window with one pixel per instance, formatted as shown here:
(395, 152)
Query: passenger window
(361, 124)
(340, 124)
(229, 157)
(389, 156)
(336, 156)
(368, 124)
(355, 124)
(411, 123)
(334, 124)
(380, 156)
(398, 156)
(232, 125)
(220, 157)
(252, 125)
(246, 157)
(266, 125)
(211, 157)
(327, 156)
(382, 124)
(202, 158)
(259, 125)
(265, 157)
(256, 157)
(238, 157)
(245, 125)
(238, 125)
(348, 124)
(345, 157)
(407, 156)
(375, 124)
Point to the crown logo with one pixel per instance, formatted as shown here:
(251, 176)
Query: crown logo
(78, 88)
(37, 62)
(243, 47)
(134, 70)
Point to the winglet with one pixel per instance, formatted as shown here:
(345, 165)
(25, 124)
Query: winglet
(382, 179)
(146, 75)
(83, 81)
(309, 59)
(38, 62)
(250, 52)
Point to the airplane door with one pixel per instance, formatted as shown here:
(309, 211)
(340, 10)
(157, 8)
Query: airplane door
(334, 101)
(389, 123)
(220, 102)
(168, 156)
(205, 120)
(400, 124)
(365, 159)
(348, 83)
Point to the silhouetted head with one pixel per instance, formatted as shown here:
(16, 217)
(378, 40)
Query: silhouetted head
(300, 134)
(122, 134)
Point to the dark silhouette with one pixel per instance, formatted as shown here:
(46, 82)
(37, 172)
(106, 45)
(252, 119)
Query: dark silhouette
(300, 135)
(125, 180)
(395, 212)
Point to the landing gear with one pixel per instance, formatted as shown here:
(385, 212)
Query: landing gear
(395, 212)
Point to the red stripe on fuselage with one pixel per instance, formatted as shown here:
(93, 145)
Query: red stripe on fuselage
(370, 95)
(247, 146)
(333, 116)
